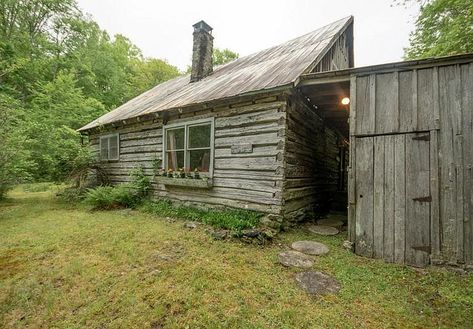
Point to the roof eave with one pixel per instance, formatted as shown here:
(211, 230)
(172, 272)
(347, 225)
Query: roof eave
(205, 105)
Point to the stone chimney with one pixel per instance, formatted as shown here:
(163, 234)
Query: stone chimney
(202, 50)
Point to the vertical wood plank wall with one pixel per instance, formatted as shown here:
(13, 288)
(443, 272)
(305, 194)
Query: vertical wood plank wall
(338, 56)
(389, 106)
(249, 181)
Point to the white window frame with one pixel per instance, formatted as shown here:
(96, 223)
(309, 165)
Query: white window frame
(107, 138)
(186, 126)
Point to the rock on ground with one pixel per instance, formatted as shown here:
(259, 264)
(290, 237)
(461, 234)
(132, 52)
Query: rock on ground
(348, 245)
(190, 225)
(333, 222)
(317, 283)
(323, 230)
(310, 247)
(295, 259)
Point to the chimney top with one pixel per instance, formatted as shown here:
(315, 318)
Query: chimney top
(202, 50)
(202, 26)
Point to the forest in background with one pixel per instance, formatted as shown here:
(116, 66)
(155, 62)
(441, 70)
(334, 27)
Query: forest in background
(59, 70)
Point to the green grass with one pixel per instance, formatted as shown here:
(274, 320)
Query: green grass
(231, 219)
(64, 267)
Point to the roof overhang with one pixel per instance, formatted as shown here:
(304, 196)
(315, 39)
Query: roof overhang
(344, 75)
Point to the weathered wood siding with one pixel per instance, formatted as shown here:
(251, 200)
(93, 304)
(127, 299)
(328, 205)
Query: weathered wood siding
(243, 180)
(339, 56)
(312, 161)
(388, 165)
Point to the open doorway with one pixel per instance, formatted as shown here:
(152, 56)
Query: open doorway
(330, 100)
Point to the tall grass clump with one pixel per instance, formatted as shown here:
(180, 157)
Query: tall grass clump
(230, 219)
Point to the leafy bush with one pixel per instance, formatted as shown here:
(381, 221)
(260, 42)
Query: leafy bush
(127, 195)
(231, 219)
(14, 159)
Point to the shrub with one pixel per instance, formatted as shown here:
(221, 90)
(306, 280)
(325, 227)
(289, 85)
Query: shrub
(230, 219)
(111, 197)
(127, 195)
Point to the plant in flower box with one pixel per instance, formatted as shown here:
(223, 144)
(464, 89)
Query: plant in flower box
(170, 173)
(182, 174)
(196, 174)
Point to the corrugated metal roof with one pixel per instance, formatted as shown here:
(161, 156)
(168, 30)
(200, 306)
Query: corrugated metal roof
(270, 68)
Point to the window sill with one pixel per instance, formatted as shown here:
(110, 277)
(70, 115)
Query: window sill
(186, 182)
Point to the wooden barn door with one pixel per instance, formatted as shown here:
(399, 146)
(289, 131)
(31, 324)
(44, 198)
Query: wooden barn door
(392, 197)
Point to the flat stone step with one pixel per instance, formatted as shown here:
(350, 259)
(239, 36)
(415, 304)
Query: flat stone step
(295, 259)
(310, 247)
(323, 229)
(317, 283)
(333, 222)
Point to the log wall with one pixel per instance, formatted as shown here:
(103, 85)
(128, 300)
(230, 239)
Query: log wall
(243, 180)
(420, 121)
(312, 161)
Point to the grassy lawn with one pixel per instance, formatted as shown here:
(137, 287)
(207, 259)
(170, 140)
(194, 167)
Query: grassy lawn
(64, 267)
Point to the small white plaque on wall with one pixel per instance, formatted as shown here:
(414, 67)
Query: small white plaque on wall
(242, 148)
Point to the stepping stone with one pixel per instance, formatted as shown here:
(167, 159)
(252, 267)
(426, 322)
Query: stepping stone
(310, 247)
(330, 222)
(323, 230)
(190, 225)
(295, 259)
(317, 283)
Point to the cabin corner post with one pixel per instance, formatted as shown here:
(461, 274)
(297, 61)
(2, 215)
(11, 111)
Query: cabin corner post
(351, 172)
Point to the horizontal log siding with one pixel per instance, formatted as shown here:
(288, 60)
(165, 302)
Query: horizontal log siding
(246, 180)
(311, 162)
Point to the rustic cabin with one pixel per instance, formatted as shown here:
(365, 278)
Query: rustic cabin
(295, 130)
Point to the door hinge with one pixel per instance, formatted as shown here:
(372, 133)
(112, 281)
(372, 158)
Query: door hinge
(427, 249)
(423, 199)
(421, 138)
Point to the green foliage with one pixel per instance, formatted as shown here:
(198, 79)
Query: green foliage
(444, 27)
(231, 219)
(219, 57)
(140, 182)
(150, 72)
(15, 165)
(222, 56)
(111, 197)
(127, 195)
(59, 71)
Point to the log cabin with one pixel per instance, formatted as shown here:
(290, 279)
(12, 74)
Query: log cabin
(295, 130)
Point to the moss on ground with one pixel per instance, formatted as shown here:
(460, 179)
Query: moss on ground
(62, 266)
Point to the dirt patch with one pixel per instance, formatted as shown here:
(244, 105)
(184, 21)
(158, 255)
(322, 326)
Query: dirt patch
(9, 263)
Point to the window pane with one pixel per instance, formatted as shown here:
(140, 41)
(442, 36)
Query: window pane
(175, 139)
(199, 136)
(104, 148)
(200, 159)
(113, 147)
(175, 160)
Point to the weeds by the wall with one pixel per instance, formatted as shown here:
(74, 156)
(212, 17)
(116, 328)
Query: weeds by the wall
(127, 195)
(230, 219)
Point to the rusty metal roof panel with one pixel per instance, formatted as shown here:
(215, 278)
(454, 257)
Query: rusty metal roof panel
(270, 68)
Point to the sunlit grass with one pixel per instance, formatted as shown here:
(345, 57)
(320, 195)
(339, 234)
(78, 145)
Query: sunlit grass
(63, 266)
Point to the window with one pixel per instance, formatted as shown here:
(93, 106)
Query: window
(189, 146)
(109, 147)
